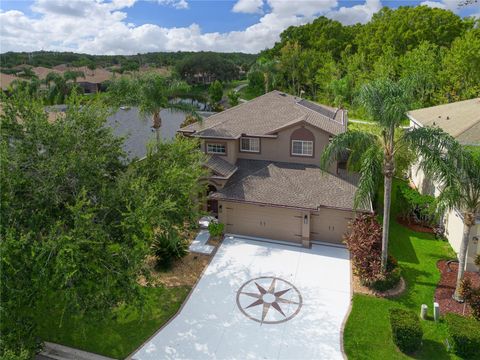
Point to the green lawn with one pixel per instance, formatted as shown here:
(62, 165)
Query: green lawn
(248, 93)
(120, 333)
(367, 333)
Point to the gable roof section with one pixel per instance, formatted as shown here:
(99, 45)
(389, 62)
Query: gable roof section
(460, 119)
(220, 167)
(288, 185)
(267, 114)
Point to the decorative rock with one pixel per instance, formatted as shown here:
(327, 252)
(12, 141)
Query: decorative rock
(423, 311)
(436, 311)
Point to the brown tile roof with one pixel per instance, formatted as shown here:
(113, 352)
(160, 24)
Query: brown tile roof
(287, 184)
(267, 114)
(460, 119)
(220, 166)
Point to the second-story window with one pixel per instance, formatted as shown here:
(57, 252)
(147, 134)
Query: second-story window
(250, 144)
(302, 142)
(216, 148)
(302, 148)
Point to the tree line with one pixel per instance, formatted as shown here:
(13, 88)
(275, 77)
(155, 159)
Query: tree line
(53, 58)
(329, 62)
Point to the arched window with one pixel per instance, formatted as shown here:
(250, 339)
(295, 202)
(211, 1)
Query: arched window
(302, 143)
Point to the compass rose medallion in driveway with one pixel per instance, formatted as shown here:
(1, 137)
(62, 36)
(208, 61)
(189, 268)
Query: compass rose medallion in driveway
(269, 300)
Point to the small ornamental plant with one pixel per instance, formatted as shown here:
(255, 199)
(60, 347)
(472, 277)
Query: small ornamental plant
(216, 229)
(471, 296)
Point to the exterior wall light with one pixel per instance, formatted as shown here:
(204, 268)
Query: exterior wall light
(475, 240)
(305, 219)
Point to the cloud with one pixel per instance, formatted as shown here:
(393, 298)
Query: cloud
(356, 14)
(443, 4)
(248, 6)
(101, 26)
(177, 4)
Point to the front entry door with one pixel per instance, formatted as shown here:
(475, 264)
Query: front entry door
(212, 206)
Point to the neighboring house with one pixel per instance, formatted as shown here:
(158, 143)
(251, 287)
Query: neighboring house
(461, 120)
(265, 178)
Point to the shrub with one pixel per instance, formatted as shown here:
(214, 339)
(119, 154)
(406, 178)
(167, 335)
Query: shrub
(388, 281)
(471, 296)
(477, 260)
(364, 241)
(215, 229)
(414, 205)
(189, 119)
(167, 247)
(464, 335)
(406, 330)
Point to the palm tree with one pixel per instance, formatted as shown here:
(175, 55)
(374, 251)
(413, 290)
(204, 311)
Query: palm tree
(374, 154)
(268, 68)
(151, 93)
(456, 171)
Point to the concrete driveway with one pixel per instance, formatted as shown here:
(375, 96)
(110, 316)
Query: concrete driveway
(259, 300)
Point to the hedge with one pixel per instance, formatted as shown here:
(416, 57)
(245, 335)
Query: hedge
(464, 335)
(406, 330)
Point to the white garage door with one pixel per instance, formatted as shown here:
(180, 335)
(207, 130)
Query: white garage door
(263, 221)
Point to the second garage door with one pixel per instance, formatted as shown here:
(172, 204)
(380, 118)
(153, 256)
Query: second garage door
(329, 225)
(263, 221)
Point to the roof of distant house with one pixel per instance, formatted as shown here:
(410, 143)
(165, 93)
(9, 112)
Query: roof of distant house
(6, 80)
(460, 119)
(288, 185)
(268, 114)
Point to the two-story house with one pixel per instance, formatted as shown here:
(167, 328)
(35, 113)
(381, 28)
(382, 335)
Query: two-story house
(265, 178)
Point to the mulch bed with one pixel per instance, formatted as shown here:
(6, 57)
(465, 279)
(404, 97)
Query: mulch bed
(413, 226)
(446, 288)
(358, 288)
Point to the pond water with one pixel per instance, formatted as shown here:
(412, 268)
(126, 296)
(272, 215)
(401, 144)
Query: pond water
(138, 131)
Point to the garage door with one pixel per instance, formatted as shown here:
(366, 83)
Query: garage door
(329, 225)
(263, 221)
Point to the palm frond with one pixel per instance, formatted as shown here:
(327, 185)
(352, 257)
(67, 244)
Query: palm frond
(370, 174)
(386, 101)
(351, 144)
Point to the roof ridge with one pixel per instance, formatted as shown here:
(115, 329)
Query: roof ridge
(226, 111)
(471, 126)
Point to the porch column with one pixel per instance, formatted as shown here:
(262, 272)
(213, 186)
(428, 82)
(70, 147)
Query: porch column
(306, 229)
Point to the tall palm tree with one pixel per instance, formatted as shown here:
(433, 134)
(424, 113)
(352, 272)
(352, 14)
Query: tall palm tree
(374, 155)
(456, 171)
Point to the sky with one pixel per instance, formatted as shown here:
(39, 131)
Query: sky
(139, 26)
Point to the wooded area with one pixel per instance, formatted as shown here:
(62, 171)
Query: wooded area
(329, 62)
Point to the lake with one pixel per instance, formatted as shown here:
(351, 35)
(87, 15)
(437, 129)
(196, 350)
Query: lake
(138, 131)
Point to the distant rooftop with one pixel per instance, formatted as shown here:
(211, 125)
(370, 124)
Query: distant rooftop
(460, 119)
(268, 114)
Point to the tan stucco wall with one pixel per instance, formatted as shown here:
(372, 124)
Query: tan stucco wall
(232, 148)
(279, 149)
(329, 225)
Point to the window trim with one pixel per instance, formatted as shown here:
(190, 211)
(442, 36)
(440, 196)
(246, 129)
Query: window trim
(250, 151)
(302, 141)
(216, 143)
